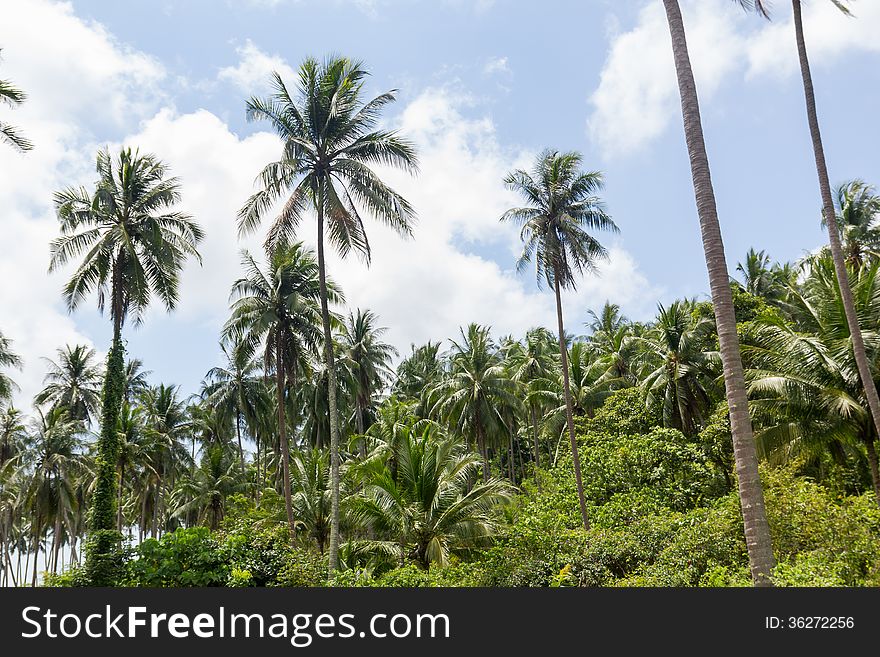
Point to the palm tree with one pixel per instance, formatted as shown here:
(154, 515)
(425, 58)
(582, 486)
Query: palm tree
(681, 366)
(12, 434)
(278, 311)
(204, 493)
(751, 493)
(166, 425)
(135, 379)
(758, 275)
(238, 390)
(533, 365)
(7, 359)
(329, 147)
(134, 246)
(370, 357)
(803, 380)
(477, 391)
(429, 508)
(561, 207)
(56, 457)
(419, 372)
(310, 483)
(857, 209)
(73, 383)
(12, 97)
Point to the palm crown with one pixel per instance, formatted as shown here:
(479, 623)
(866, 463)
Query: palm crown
(329, 147)
(132, 239)
(562, 207)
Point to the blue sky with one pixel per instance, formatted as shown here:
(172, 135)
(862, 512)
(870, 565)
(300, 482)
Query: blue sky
(484, 85)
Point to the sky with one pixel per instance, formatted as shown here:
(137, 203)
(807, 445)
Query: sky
(483, 87)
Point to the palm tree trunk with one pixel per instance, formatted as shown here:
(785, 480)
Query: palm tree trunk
(359, 422)
(238, 434)
(569, 413)
(56, 542)
(331, 394)
(757, 529)
(849, 307)
(37, 526)
(119, 499)
(534, 418)
(875, 468)
(282, 434)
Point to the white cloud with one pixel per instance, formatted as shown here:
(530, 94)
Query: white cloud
(422, 289)
(252, 74)
(101, 83)
(637, 96)
(496, 65)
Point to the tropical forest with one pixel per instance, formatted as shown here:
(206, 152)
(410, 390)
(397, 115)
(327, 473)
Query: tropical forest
(728, 440)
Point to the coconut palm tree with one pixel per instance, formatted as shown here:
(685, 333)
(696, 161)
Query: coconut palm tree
(474, 396)
(857, 208)
(803, 379)
(311, 491)
(430, 508)
(204, 493)
(751, 493)
(533, 364)
(681, 366)
(562, 207)
(134, 245)
(362, 346)
(758, 276)
(7, 359)
(135, 379)
(11, 96)
(419, 372)
(330, 146)
(73, 383)
(278, 312)
(238, 390)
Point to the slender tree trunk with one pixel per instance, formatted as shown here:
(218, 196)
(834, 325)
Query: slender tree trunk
(238, 434)
(534, 418)
(757, 530)
(36, 550)
(359, 421)
(56, 542)
(481, 445)
(569, 413)
(849, 306)
(331, 394)
(119, 499)
(282, 435)
(875, 468)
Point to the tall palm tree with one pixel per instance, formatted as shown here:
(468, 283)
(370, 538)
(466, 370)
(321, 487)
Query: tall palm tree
(758, 277)
(857, 207)
(562, 207)
(419, 372)
(370, 358)
(11, 96)
(329, 147)
(73, 383)
(830, 217)
(751, 493)
(134, 245)
(278, 311)
(8, 358)
(239, 391)
(429, 509)
(474, 396)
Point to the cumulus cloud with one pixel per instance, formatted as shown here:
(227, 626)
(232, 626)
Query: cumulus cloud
(102, 83)
(252, 74)
(637, 97)
(457, 269)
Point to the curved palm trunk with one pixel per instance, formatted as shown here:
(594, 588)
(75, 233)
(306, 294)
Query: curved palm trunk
(757, 529)
(331, 394)
(569, 413)
(282, 434)
(858, 343)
